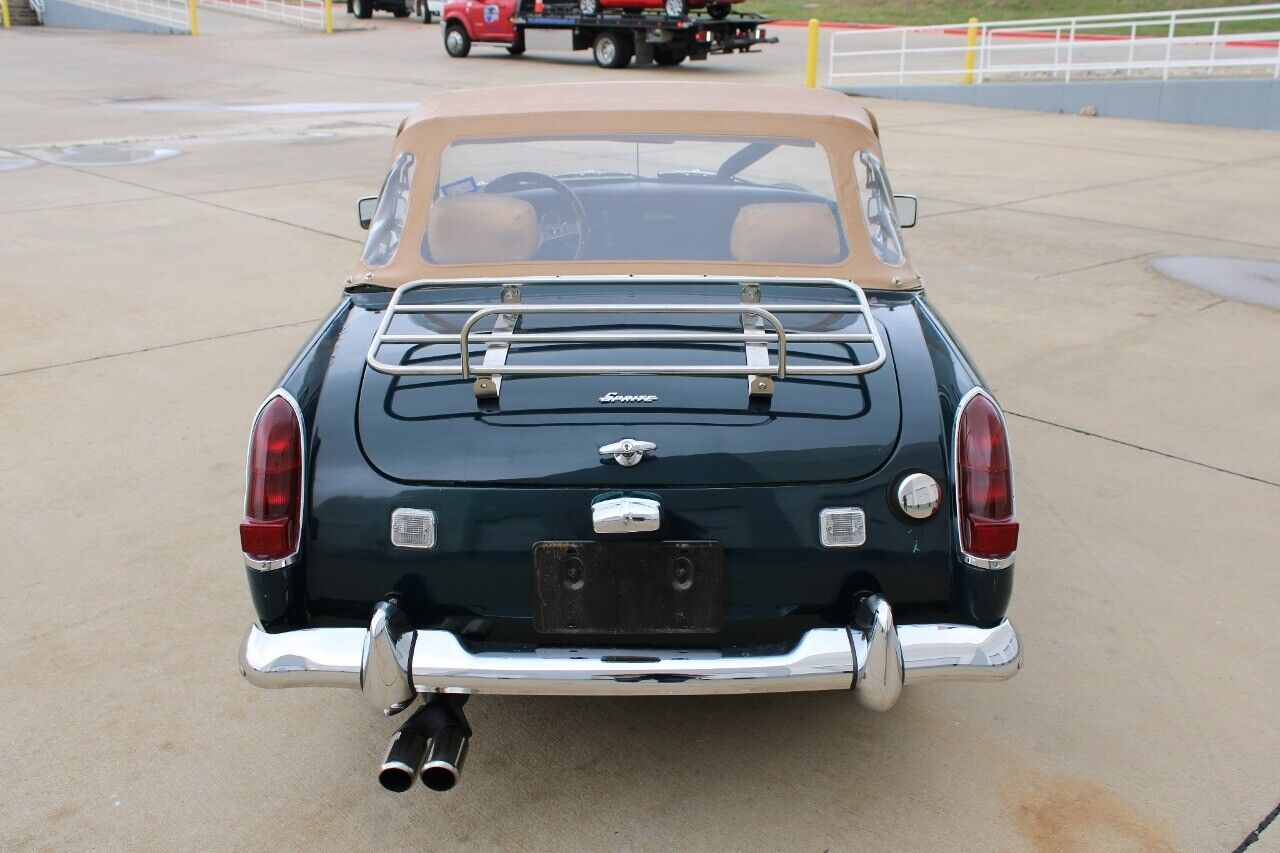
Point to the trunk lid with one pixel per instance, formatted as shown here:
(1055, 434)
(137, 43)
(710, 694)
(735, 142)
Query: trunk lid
(546, 430)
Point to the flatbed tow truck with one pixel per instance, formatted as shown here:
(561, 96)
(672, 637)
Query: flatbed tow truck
(614, 39)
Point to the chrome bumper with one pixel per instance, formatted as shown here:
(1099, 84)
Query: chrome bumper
(391, 663)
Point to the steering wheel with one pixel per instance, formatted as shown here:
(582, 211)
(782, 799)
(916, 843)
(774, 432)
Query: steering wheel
(513, 181)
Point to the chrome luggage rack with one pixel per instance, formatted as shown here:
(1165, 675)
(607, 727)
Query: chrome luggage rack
(761, 329)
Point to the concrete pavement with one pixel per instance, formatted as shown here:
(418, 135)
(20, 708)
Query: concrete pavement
(145, 310)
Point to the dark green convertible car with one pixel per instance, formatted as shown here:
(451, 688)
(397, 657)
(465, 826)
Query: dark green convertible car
(634, 391)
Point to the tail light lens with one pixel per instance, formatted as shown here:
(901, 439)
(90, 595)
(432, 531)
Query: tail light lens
(273, 499)
(988, 526)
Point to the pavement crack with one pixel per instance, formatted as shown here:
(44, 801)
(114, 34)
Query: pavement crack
(1130, 444)
(191, 198)
(1093, 266)
(1145, 228)
(1259, 829)
(173, 345)
(1012, 204)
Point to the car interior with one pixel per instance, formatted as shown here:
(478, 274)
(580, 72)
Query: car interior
(635, 220)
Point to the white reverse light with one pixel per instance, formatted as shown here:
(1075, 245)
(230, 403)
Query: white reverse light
(842, 527)
(413, 528)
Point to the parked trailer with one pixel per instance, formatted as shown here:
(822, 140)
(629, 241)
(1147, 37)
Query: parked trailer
(614, 39)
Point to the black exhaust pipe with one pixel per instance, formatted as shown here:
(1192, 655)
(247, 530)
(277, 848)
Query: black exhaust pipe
(431, 745)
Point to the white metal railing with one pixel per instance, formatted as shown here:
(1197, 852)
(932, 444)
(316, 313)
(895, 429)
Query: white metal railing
(308, 14)
(166, 13)
(1181, 42)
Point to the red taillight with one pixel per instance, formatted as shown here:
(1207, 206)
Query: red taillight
(988, 526)
(273, 500)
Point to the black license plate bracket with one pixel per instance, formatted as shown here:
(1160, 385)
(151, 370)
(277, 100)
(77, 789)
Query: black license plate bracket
(594, 587)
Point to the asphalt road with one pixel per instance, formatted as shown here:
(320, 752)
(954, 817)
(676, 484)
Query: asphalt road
(145, 310)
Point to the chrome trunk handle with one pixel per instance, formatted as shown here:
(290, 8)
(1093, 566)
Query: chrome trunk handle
(628, 451)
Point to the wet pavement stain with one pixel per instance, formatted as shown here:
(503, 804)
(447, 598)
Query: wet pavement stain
(1238, 279)
(1065, 815)
(14, 162)
(104, 155)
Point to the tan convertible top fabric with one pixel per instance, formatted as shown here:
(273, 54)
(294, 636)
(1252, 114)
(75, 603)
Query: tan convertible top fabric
(830, 118)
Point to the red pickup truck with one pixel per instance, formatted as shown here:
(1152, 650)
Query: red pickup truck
(614, 37)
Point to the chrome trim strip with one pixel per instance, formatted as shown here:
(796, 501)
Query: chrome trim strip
(978, 562)
(270, 565)
(881, 657)
(275, 565)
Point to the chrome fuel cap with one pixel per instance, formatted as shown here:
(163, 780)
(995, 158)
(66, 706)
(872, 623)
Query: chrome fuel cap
(919, 496)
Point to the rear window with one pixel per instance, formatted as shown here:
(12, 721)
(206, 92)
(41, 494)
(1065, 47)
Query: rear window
(634, 197)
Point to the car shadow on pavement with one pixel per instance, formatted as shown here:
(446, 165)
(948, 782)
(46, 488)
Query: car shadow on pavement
(757, 758)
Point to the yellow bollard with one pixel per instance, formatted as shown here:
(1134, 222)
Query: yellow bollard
(328, 16)
(971, 54)
(811, 63)
(193, 17)
(4, 13)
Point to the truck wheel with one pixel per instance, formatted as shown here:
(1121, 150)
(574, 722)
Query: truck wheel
(516, 48)
(589, 8)
(402, 11)
(612, 50)
(426, 12)
(669, 55)
(718, 11)
(676, 8)
(364, 8)
(456, 41)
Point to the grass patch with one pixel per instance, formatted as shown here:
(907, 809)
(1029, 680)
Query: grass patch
(955, 11)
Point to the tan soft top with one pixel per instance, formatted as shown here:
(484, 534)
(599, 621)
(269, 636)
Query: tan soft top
(830, 118)
(709, 101)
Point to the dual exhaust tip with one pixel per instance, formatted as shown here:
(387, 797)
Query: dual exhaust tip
(431, 746)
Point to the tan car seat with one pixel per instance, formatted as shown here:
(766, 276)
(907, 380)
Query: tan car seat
(478, 228)
(786, 232)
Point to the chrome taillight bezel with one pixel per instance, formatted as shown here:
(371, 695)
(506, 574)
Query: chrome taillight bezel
(279, 563)
(972, 560)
